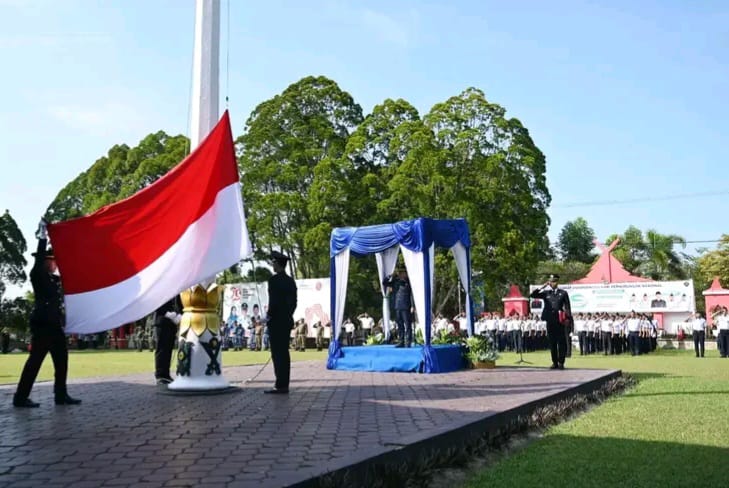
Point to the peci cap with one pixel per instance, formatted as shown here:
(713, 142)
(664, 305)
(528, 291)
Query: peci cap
(554, 277)
(279, 257)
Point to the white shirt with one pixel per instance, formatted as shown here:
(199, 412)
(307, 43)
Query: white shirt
(589, 325)
(367, 322)
(501, 324)
(633, 325)
(722, 322)
(606, 325)
(698, 324)
(349, 327)
(579, 325)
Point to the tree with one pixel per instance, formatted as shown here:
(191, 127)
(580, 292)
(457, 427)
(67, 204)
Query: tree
(651, 255)
(488, 170)
(631, 249)
(12, 248)
(713, 263)
(285, 141)
(15, 313)
(575, 241)
(118, 175)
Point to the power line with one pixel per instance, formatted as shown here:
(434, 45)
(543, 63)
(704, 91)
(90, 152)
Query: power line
(682, 196)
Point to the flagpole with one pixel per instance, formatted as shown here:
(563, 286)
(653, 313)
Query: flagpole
(202, 367)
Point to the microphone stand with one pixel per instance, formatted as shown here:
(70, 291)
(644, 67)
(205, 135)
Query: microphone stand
(521, 348)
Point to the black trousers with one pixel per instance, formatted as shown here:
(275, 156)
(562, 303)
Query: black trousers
(165, 330)
(724, 343)
(699, 336)
(404, 326)
(633, 341)
(281, 357)
(557, 341)
(40, 345)
(582, 341)
(607, 338)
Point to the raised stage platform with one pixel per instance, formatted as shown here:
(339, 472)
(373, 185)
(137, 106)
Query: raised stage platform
(330, 421)
(388, 358)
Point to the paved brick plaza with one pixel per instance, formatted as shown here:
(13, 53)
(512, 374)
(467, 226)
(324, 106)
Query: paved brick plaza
(127, 433)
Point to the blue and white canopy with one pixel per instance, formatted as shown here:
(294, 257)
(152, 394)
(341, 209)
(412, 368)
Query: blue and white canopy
(416, 239)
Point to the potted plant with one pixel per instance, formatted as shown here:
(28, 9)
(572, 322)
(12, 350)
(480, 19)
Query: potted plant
(481, 352)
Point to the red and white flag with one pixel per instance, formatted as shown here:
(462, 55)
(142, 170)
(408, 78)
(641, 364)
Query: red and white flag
(126, 259)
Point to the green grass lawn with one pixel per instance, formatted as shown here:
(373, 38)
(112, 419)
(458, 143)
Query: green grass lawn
(672, 429)
(93, 363)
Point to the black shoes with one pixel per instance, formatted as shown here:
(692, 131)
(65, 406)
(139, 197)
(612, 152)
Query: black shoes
(400, 345)
(553, 366)
(164, 381)
(277, 391)
(560, 366)
(27, 403)
(67, 400)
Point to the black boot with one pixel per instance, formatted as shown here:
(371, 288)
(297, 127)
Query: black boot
(66, 399)
(26, 403)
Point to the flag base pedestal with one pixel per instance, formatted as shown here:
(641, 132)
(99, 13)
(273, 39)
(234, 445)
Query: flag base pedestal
(199, 356)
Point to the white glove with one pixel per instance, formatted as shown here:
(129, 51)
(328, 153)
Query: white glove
(177, 319)
(171, 315)
(42, 232)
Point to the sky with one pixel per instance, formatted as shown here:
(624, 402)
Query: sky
(628, 100)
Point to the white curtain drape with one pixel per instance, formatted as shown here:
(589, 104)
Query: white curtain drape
(416, 274)
(460, 253)
(341, 266)
(386, 261)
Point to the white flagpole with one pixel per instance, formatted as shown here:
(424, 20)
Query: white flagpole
(204, 115)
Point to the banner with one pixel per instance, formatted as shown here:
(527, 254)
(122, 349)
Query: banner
(248, 298)
(654, 296)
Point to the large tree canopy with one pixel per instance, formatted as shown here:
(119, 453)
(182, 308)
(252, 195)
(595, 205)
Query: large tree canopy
(119, 174)
(491, 172)
(288, 142)
(12, 248)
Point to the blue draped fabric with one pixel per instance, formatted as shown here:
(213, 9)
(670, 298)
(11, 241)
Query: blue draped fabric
(335, 352)
(430, 359)
(415, 235)
(386, 358)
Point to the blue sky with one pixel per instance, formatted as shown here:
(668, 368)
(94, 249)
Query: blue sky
(626, 99)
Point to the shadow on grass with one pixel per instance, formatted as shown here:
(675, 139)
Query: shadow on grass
(674, 393)
(649, 376)
(622, 462)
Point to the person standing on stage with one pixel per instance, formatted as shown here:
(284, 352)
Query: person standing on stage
(556, 301)
(281, 306)
(47, 322)
(403, 306)
(166, 319)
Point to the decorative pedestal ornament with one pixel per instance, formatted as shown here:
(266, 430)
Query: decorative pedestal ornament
(483, 364)
(199, 364)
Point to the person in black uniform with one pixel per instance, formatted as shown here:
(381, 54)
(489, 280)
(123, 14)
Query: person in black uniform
(403, 306)
(555, 300)
(281, 307)
(47, 322)
(166, 319)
